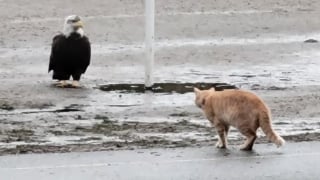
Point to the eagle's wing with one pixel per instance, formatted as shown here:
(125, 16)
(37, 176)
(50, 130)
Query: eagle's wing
(86, 54)
(54, 51)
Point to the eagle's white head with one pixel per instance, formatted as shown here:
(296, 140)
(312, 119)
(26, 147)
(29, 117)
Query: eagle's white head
(73, 24)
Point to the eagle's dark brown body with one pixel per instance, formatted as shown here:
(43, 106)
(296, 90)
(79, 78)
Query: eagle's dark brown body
(69, 56)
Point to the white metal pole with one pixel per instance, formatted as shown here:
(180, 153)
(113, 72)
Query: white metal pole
(149, 42)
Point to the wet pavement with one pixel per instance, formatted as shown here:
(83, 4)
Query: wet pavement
(294, 161)
(267, 53)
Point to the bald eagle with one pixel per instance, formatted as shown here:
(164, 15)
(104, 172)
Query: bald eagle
(70, 53)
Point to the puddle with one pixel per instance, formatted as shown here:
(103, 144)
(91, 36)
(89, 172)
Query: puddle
(66, 109)
(165, 87)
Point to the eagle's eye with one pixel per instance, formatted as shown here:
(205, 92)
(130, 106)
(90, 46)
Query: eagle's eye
(71, 21)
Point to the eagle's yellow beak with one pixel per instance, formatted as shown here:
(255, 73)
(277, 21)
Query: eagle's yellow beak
(78, 24)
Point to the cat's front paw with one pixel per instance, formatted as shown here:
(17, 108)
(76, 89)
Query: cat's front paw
(220, 145)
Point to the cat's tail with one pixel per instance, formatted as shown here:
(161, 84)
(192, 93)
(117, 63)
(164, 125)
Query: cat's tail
(265, 124)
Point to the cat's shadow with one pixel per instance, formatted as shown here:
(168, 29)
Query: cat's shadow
(236, 152)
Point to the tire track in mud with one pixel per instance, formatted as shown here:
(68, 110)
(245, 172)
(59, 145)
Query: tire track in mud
(112, 121)
(81, 131)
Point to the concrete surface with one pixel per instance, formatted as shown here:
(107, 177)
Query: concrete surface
(293, 162)
(254, 44)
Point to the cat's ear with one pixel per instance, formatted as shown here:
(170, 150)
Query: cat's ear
(212, 89)
(196, 90)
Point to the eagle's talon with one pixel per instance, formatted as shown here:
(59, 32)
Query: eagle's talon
(62, 84)
(75, 84)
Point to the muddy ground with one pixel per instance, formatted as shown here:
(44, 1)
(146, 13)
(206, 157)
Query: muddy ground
(256, 45)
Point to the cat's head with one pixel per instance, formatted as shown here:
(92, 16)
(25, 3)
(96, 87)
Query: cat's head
(201, 96)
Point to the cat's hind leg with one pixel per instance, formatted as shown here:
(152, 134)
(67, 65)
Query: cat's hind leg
(251, 137)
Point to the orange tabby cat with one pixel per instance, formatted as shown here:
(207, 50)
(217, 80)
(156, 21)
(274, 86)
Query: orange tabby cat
(240, 109)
